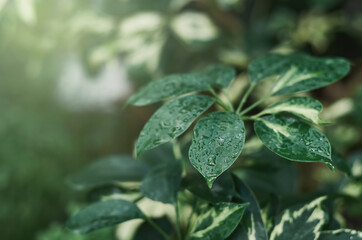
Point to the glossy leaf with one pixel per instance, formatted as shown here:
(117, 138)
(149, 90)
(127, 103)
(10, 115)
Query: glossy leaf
(223, 189)
(293, 139)
(162, 182)
(218, 222)
(217, 142)
(303, 107)
(178, 84)
(103, 214)
(252, 225)
(300, 222)
(298, 72)
(171, 120)
(341, 234)
(109, 170)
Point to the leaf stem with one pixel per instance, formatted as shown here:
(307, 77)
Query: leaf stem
(219, 101)
(249, 118)
(178, 225)
(176, 148)
(245, 97)
(155, 226)
(228, 98)
(251, 107)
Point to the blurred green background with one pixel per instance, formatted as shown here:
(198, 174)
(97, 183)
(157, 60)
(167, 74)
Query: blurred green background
(66, 68)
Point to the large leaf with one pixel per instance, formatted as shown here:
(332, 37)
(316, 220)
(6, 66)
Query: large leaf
(298, 72)
(300, 222)
(162, 182)
(252, 225)
(341, 234)
(171, 120)
(178, 84)
(103, 214)
(217, 142)
(223, 189)
(304, 107)
(109, 170)
(218, 222)
(293, 139)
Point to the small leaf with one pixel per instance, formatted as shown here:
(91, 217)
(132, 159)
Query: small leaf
(223, 189)
(171, 120)
(300, 222)
(298, 72)
(178, 84)
(340, 163)
(303, 107)
(147, 232)
(218, 222)
(341, 234)
(252, 225)
(108, 170)
(219, 75)
(217, 142)
(103, 214)
(162, 182)
(293, 139)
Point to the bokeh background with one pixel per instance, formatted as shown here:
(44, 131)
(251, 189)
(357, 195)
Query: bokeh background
(67, 67)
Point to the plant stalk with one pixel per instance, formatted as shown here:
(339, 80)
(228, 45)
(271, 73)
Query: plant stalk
(156, 227)
(178, 225)
(245, 97)
(251, 107)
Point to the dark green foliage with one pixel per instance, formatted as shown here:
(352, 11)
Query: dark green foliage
(224, 207)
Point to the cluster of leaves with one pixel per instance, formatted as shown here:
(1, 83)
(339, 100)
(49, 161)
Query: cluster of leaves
(229, 209)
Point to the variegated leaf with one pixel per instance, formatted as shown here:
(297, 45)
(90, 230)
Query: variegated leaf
(304, 107)
(298, 72)
(219, 76)
(218, 222)
(252, 225)
(293, 139)
(300, 222)
(341, 234)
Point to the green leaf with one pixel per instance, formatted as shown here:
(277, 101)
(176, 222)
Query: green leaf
(341, 234)
(293, 139)
(147, 232)
(300, 222)
(171, 120)
(223, 189)
(252, 225)
(218, 222)
(108, 170)
(217, 142)
(298, 72)
(218, 75)
(340, 163)
(103, 214)
(162, 182)
(178, 84)
(303, 107)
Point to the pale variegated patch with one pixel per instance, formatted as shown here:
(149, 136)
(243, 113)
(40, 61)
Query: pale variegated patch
(303, 107)
(218, 222)
(300, 223)
(341, 234)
